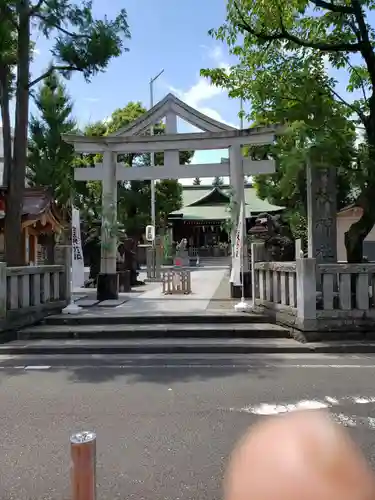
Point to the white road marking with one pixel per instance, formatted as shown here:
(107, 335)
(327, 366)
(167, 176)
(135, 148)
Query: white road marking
(363, 401)
(332, 401)
(37, 367)
(131, 364)
(345, 420)
(266, 409)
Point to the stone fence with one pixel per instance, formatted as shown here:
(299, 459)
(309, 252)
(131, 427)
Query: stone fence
(315, 297)
(29, 293)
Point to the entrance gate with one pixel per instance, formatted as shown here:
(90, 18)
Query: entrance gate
(215, 135)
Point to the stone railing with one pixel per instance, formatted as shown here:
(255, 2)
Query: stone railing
(27, 294)
(274, 287)
(346, 294)
(315, 297)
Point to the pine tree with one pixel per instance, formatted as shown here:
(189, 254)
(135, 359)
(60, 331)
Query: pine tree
(50, 159)
(218, 181)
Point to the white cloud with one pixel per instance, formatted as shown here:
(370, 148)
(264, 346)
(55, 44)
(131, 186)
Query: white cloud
(198, 96)
(202, 91)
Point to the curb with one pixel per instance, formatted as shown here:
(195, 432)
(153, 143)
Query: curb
(7, 349)
(89, 350)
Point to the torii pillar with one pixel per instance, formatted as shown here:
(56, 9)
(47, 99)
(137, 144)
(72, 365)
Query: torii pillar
(107, 287)
(237, 182)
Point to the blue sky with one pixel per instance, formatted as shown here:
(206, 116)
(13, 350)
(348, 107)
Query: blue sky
(166, 34)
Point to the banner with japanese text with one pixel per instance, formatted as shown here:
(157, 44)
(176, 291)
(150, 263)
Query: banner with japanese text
(78, 268)
(235, 276)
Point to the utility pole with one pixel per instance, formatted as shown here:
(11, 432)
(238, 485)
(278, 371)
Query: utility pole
(152, 154)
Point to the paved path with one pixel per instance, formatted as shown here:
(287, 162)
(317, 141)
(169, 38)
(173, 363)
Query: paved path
(165, 425)
(149, 298)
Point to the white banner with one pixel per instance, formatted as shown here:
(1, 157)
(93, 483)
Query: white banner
(78, 268)
(235, 276)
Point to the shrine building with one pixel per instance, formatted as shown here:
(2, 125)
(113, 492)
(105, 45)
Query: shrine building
(41, 224)
(205, 216)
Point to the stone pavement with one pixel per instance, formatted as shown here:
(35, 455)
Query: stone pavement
(205, 283)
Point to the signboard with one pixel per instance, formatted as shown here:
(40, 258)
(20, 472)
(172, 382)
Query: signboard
(235, 277)
(78, 268)
(150, 233)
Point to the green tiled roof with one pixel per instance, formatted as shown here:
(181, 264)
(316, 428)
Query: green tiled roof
(254, 205)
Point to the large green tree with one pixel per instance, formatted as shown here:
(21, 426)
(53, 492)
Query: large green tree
(134, 198)
(50, 159)
(316, 121)
(271, 38)
(81, 43)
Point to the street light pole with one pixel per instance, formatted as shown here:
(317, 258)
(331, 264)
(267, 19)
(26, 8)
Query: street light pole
(152, 155)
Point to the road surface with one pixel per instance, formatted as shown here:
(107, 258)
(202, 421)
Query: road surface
(165, 425)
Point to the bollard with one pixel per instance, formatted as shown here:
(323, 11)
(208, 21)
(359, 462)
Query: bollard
(83, 465)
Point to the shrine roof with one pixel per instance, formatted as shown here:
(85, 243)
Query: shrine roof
(197, 206)
(36, 202)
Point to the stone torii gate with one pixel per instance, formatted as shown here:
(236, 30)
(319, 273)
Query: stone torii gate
(215, 136)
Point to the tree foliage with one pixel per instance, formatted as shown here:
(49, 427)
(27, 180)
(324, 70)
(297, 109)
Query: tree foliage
(81, 43)
(282, 48)
(50, 159)
(218, 181)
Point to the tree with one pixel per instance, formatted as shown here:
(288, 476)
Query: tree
(197, 181)
(134, 198)
(268, 36)
(218, 181)
(50, 159)
(81, 43)
(316, 119)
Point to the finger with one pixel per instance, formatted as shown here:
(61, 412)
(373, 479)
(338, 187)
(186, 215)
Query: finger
(300, 456)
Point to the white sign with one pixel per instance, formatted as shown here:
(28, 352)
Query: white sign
(235, 276)
(78, 268)
(150, 233)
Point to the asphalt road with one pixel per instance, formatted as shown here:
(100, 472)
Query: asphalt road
(165, 425)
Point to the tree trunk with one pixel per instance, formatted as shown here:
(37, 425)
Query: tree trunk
(5, 114)
(357, 233)
(14, 250)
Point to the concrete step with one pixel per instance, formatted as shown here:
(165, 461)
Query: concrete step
(187, 346)
(152, 346)
(113, 317)
(154, 331)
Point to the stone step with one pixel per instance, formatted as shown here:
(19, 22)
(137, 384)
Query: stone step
(113, 317)
(154, 331)
(186, 346)
(153, 346)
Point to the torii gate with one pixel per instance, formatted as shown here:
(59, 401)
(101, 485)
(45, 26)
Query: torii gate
(215, 135)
